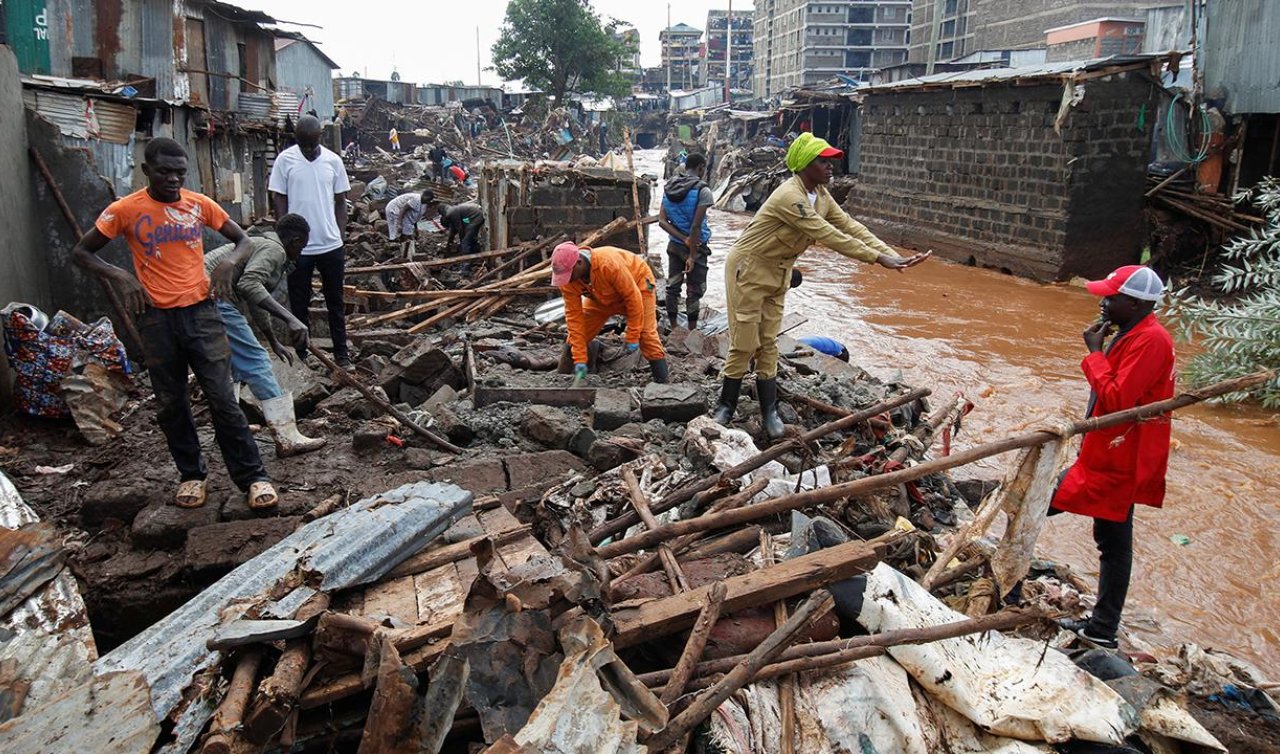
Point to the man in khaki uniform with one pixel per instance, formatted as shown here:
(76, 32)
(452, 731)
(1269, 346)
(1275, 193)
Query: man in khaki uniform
(757, 273)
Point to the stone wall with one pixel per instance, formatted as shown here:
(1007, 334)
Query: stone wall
(522, 204)
(981, 176)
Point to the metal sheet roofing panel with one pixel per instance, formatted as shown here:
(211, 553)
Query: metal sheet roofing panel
(1240, 54)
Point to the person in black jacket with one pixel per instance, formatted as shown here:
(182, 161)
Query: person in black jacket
(684, 217)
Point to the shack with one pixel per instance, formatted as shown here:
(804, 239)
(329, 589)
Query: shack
(1036, 171)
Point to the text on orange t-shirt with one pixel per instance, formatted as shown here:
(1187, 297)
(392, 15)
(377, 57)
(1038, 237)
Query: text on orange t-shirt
(167, 242)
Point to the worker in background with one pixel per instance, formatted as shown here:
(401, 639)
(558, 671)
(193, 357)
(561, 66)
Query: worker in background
(272, 256)
(1122, 466)
(598, 284)
(309, 180)
(463, 222)
(394, 137)
(404, 212)
(683, 216)
(172, 296)
(798, 214)
(437, 155)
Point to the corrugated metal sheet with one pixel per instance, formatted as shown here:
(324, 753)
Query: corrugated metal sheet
(993, 75)
(84, 117)
(269, 106)
(47, 637)
(305, 72)
(354, 546)
(1240, 56)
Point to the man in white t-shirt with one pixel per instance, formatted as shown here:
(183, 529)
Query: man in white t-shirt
(311, 181)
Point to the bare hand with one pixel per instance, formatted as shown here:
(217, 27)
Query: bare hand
(283, 353)
(1095, 334)
(224, 279)
(688, 263)
(136, 298)
(902, 263)
(298, 335)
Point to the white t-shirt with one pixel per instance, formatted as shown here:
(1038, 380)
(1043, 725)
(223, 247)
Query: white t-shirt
(311, 186)
(813, 198)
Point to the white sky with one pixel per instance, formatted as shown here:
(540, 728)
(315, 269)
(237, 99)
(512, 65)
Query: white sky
(434, 41)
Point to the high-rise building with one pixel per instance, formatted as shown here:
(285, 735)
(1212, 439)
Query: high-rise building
(944, 30)
(682, 55)
(732, 38)
(806, 42)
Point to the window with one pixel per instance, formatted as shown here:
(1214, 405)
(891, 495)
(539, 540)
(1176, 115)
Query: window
(890, 14)
(859, 37)
(948, 29)
(859, 15)
(857, 59)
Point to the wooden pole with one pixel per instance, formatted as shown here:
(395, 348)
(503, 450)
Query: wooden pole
(671, 500)
(679, 582)
(866, 485)
(278, 695)
(400, 416)
(743, 672)
(694, 647)
(126, 320)
(635, 193)
(223, 731)
(787, 686)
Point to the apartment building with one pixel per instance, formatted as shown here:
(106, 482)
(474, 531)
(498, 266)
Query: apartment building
(682, 55)
(730, 37)
(943, 30)
(806, 42)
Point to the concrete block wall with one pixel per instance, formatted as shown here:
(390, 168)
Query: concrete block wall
(573, 203)
(981, 176)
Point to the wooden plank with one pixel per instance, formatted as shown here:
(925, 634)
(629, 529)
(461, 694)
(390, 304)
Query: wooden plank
(397, 598)
(516, 550)
(667, 615)
(440, 594)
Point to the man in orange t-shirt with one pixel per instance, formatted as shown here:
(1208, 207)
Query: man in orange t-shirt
(179, 323)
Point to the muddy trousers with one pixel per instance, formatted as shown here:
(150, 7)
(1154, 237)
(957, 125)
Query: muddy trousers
(332, 266)
(695, 280)
(193, 337)
(250, 362)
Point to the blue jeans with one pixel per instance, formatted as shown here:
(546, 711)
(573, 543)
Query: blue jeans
(250, 362)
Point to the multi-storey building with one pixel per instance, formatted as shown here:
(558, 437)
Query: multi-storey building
(806, 42)
(729, 39)
(943, 30)
(682, 55)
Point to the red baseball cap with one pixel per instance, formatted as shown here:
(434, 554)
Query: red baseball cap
(831, 152)
(1134, 280)
(562, 261)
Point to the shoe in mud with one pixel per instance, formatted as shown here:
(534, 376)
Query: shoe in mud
(1081, 628)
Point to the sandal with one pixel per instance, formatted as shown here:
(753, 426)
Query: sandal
(191, 494)
(262, 496)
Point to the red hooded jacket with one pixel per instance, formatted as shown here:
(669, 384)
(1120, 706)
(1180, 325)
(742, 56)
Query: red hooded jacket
(1123, 465)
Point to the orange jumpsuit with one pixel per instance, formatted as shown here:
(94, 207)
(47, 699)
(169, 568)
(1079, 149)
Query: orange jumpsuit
(620, 282)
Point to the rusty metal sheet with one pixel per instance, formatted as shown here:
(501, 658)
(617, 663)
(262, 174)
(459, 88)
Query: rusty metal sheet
(111, 714)
(83, 117)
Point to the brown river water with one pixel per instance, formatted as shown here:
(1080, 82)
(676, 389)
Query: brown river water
(1014, 348)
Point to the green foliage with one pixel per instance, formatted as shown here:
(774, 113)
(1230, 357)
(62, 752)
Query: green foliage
(560, 47)
(1240, 333)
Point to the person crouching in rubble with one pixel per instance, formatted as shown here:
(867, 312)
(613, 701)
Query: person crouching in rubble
(404, 212)
(463, 222)
(1123, 466)
(163, 224)
(757, 273)
(683, 216)
(613, 281)
(272, 257)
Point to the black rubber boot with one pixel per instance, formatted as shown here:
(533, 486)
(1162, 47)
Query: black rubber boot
(729, 390)
(661, 373)
(692, 316)
(767, 391)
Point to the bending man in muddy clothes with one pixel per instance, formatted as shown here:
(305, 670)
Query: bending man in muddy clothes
(757, 274)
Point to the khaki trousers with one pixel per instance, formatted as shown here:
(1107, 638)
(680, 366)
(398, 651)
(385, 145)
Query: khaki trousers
(756, 291)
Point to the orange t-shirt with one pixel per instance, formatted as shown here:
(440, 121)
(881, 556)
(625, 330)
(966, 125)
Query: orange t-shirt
(167, 243)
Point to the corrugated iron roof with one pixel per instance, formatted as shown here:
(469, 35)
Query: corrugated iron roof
(84, 117)
(981, 76)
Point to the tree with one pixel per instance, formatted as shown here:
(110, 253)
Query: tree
(1239, 331)
(560, 47)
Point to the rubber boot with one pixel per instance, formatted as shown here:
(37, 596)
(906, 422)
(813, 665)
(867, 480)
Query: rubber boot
(289, 441)
(729, 390)
(767, 390)
(661, 372)
(692, 317)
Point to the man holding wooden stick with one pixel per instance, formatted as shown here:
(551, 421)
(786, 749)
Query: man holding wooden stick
(1125, 465)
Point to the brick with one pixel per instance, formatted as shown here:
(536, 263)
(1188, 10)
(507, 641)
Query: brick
(447, 421)
(545, 468)
(678, 402)
(548, 425)
(612, 409)
(119, 499)
(370, 437)
(215, 550)
(164, 526)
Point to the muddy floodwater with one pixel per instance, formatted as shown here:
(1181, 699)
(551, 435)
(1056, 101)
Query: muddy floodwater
(1014, 348)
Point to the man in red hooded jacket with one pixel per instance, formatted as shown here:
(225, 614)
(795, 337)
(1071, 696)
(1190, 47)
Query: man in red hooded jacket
(1125, 465)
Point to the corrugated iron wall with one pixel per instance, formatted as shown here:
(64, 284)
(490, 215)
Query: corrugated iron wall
(1241, 57)
(300, 69)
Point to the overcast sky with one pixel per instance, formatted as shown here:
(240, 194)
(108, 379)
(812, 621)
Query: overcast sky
(428, 44)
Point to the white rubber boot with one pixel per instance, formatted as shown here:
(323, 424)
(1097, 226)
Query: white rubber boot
(289, 441)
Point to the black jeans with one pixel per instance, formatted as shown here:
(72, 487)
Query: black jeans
(1115, 564)
(677, 256)
(331, 265)
(194, 337)
(470, 241)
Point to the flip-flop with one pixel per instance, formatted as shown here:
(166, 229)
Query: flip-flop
(193, 490)
(259, 490)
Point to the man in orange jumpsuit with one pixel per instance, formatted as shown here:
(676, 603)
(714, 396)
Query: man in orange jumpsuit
(612, 281)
